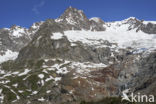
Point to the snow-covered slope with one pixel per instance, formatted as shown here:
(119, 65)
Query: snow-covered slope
(120, 36)
(146, 22)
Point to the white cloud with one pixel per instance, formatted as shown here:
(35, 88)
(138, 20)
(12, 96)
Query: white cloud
(37, 6)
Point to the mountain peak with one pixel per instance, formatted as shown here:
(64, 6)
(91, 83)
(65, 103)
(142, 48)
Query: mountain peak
(134, 19)
(73, 16)
(72, 9)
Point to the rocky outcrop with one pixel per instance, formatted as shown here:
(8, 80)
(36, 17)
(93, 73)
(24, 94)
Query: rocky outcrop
(43, 46)
(12, 42)
(13, 39)
(144, 80)
(149, 28)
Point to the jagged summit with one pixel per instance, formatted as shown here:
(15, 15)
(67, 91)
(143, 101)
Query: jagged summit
(131, 18)
(73, 13)
(74, 17)
(79, 21)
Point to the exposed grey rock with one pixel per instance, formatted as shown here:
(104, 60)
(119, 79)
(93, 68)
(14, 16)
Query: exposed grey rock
(78, 20)
(149, 28)
(45, 47)
(11, 42)
(139, 25)
(144, 82)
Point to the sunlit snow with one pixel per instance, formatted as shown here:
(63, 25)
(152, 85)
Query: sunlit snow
(56, 36)
(26, 71)
(9, 55)
(122, 38)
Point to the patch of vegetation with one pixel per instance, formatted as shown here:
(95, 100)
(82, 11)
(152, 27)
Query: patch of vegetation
(9, 95)
(32, 81)
(58, 61)
(25, 94)
(30, 63)
(7, 65)
(108, 100)
(39, 64)
(18, 80)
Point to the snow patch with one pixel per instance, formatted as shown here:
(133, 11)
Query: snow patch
(57, 79)
(56, 36)
(18, 32)
(41, 76)
(50, 78)
(36, 26)
(70, 21)
(62, 70)
(26, 71)
(96, 19)
(85, 67)
(48, 91)
(15, 85)
(34, 92)
(9, 55)
(41, 99)
(20, 91)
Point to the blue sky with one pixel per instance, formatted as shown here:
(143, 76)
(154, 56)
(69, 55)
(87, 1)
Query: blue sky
(26, 12)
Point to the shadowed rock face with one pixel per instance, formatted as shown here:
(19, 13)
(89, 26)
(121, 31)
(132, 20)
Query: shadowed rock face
(11, 42)
(149, 28)
(42, 46)
(144, 82)
(134, 23)
(45, 47)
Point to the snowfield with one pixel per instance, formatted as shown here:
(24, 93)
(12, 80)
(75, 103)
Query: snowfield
(9, 55)
(122, 38)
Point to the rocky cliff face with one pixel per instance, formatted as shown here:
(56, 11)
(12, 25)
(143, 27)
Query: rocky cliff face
(149, 28)
(13, 39)
(72, 59)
